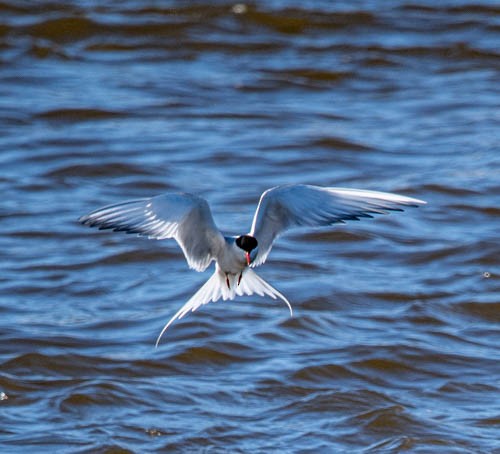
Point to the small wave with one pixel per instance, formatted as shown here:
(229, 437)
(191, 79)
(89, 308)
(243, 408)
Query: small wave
(338, 143)
(311, 78)
(137, 256)
(385, 366)
(319, 374)
(88, 396)
(388, 420)
(222, 354)
(41, 364)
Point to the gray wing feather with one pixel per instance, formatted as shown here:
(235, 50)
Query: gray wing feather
(290, 206)
(184, 217)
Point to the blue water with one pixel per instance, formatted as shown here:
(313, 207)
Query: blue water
(393, 346)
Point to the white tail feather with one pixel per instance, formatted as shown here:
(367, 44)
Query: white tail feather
(216, 288)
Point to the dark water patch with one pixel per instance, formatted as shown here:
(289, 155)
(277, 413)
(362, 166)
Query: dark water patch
(488, 311)
(136, 256)
(41, 51)
(4, 29)
(36, 234)
(8, 7)
(320, 304)
(356, 400)
(391, 370)
(467, 8)
(425, 320)
(76, 115)
(486, 255)
(123, 258)
(43, 289)
(91, 397)
(431, 364)
(40, 342)
(336, 236)
(297, 21)
(462, 389)
(475, 210)
(154, 187)
(32, 369)
(454, 52)
(33, 186)
(117, 47)
(64, 29)
(75, 149)
(235, 48)
(233, 115)
(13, 119)
(326, 372)
(400, 55)
(443, 253)
(37, 365)
(102, 170)
(280, 22)
(225, 354)
(375, 61)
(487, 422)
(310, 75)
(323, 402)
(305, 325)
(300, 77)
(286, 389)
(394, 297)
(385, 419)
(337, 143)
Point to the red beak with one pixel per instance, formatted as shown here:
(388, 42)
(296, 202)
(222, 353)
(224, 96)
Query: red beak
(249, 260)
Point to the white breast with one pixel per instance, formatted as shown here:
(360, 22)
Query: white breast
(231, 259)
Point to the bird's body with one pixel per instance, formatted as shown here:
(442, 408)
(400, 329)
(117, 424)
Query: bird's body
(188, 219)
(229, 259)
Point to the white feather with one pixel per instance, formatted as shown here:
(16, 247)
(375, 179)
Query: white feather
(299, 205)
(185, 217)
(216, 288)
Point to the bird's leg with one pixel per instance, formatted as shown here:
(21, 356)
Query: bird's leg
(239, 279)
(227, 282)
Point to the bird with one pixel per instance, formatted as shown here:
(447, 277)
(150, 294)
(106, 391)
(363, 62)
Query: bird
(187, 218)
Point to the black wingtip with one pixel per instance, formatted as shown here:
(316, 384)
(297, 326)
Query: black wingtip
(83, 220)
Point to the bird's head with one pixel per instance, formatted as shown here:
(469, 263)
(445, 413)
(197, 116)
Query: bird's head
(248, 244)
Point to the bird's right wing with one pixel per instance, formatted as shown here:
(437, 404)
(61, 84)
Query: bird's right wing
(185, 217)
(298, 205)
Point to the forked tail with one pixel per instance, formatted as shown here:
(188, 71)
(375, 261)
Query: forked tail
(217, 287)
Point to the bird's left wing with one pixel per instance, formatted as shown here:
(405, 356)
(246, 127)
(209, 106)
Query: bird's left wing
(182, 216)
(299, 205)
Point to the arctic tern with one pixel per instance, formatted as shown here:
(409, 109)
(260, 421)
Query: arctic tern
(187, 218)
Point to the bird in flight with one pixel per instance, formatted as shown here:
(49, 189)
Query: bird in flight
(187, 218)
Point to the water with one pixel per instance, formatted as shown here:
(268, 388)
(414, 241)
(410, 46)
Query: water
(394, 342)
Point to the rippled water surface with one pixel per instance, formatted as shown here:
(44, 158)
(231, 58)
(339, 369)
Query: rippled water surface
(394, 346)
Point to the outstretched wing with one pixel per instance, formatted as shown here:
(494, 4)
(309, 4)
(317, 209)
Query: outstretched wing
(185, 217)
(285, 207)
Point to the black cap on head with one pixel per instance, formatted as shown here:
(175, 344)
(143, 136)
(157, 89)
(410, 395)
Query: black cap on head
(246, 242)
